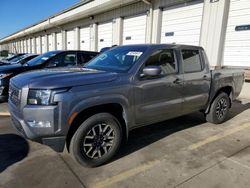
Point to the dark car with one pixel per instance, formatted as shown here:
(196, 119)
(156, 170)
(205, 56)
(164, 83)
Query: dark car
(92, 109)
(20, 59)
(50, 59)
(6, 60)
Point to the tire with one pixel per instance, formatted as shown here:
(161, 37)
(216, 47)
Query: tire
(219, 109)
(104, 141)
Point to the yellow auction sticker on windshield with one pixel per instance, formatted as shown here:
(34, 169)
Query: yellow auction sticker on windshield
(138, 54)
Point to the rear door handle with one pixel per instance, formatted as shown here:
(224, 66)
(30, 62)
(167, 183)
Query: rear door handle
(178, 81)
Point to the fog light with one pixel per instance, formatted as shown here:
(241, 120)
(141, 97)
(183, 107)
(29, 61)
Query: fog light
(39, 124)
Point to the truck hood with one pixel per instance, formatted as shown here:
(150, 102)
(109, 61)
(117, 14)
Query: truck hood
(63, 77)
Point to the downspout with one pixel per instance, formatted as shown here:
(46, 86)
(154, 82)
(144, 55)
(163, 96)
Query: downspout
(148, 2)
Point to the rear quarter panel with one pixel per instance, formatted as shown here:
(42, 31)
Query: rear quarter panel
(233, 78)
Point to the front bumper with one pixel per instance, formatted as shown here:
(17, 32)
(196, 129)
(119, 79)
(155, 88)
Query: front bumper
(50, 136)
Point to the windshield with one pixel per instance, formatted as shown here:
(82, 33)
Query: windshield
(16, 59)
(119, 59)
(42, 58)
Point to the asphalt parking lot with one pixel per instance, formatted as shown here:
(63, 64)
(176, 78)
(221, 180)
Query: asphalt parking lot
(183, 152)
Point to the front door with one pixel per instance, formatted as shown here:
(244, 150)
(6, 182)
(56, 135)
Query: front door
(159, 98)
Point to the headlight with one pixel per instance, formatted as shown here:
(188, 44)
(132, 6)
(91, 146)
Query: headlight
(44, 96)
(5, 75)
(39, 97)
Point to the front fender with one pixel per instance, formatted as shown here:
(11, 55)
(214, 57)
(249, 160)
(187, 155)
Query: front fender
(102, 100)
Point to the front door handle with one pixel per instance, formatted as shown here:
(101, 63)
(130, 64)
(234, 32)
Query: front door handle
(178, 81)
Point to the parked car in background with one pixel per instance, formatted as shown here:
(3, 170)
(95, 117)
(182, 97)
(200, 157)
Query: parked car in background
(50, 59)
(20, 59)
(6, 60)
(107, 48)
(25, 59)
(92, 109)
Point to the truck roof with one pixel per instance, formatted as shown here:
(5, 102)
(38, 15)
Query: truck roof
(165, 45)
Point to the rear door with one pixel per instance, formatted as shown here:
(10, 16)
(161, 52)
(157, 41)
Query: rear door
(196, 80)
(159, 98)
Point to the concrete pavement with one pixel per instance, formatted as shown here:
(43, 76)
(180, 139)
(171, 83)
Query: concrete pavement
(28, 164)
(4, 109)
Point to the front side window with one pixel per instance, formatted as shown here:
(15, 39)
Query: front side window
(191, 61)
(165, 59)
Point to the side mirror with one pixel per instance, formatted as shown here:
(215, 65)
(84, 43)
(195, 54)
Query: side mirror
(51, 65)
(151, 71)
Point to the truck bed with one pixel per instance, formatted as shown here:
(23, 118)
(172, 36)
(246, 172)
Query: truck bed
(233, 78)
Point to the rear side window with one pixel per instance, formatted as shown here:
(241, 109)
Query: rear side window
(191, 61)
(165, 59)
(63, 60)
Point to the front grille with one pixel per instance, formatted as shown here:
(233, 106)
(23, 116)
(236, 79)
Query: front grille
(14, 95)
(18, 126)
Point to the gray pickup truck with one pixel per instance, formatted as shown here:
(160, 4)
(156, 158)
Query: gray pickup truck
(90, 110)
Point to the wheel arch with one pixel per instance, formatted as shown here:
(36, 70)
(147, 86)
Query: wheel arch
(117, 109)
(226, 89)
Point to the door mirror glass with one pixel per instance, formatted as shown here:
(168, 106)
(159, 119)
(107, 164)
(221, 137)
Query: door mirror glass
(51, 65)
(151, 71)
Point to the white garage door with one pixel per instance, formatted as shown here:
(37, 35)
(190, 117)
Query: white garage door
(237, 44)
(134, 30)
(85, 38)
(70, 40)
(23, 46)
(50, 42)
(59, 41)
(105, 35)
(43, 44)
(38, 45)
(33, 45)
(182, 25)
(28, 46)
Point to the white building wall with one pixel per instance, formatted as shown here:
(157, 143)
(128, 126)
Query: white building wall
(191, 23)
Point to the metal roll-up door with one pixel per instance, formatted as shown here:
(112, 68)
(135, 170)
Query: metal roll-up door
(33, 45)
(44, 49)
(182, 24)
(105, 31)
(59, 41)
(50, 42)
(70, 42)
(28, 46)
(237, 43)
(25, 46)
(85, 38)
(38, 45)
(134, 30)
(22, 46)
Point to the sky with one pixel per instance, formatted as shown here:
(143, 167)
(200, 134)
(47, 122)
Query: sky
(17, 14)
